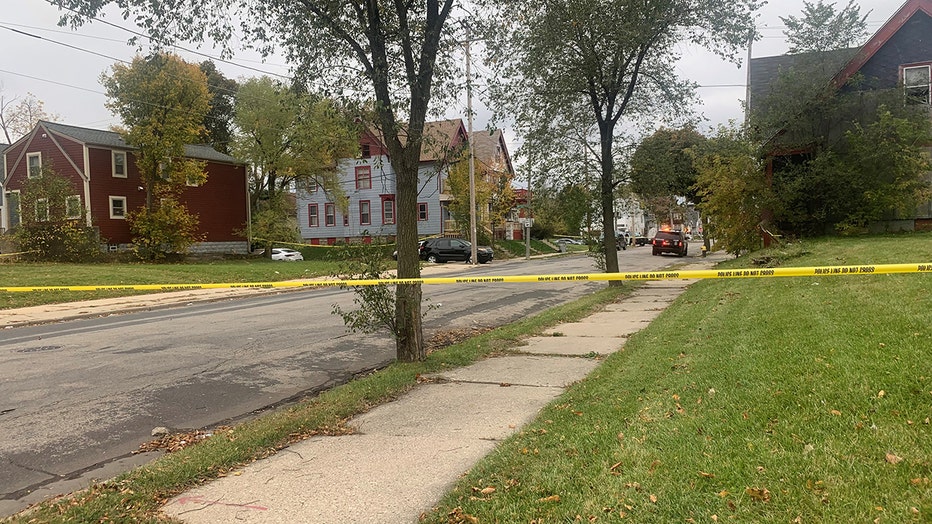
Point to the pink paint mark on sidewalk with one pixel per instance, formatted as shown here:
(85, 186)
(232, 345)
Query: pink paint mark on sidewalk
(200, 500)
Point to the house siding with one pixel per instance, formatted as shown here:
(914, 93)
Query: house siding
(383, 183)
(911, 44)
(221, 203)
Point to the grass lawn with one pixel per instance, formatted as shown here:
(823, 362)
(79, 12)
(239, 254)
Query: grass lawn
(758, 400)
(769, 400)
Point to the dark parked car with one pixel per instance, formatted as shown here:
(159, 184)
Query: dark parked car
(670, 242)
(446, 249)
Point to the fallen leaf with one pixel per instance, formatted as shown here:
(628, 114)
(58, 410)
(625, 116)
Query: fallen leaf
(653, 498)
(551, 498)
(615, 466)
(836, 412)
(706, 475)
(457, 516)
(758, 494)
(714, 518)
(487, 491)
(881, 393)
(893, 459)
(723, 493)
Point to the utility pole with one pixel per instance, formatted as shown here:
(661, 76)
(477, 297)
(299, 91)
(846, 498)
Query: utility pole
(472, 161)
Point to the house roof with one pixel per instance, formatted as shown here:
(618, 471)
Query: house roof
(764, 72)
(881, 37)
(490, 149)
(441, 137)
(110, 139)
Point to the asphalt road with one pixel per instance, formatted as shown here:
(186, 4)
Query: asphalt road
(76, 398)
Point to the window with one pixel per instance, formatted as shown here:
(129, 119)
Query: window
(118, 207)
(345, 219)
(366, 151)
(42, 210)
(313, 220)
(363, 177)
(12, 200)
(388, 211)
(330, 215)
(119, 164)
(72, 207)
(917, 83)
(34, 163)
(365, 218)
(422, 212)
(311, 186)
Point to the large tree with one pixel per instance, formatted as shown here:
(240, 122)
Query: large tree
(823, 28)
(662, 168)
(605, 64)
(161, 100)
(218, 122)
(289, 139)
(356, 46)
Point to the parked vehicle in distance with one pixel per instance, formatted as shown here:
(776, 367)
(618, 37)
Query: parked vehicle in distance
(670, 241)
(567, 240)
(286, 254)
(641, 241)
(447, 249)
(395, 252)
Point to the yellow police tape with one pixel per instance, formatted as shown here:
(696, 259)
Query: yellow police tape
(593, 277)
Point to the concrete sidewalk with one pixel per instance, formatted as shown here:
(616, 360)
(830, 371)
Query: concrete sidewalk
(406, 454)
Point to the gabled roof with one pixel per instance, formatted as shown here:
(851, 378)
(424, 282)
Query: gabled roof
(881, 37)
(490, 149)
(441, 137)
(112, 140)
(764, 72)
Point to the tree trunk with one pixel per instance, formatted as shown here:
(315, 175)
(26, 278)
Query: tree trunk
(608, 201)
(409, 339)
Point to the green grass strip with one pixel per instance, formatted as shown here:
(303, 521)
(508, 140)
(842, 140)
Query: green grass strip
(775, 400)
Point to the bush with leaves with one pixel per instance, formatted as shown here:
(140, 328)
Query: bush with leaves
(53, 223)
(376, 303)
(165, 232)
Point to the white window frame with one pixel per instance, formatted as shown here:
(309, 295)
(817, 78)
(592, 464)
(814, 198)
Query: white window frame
(927, 86)
(388, 211)
(113, 164)
(29, 172)
(73, 207)
(118, 199)
(45, 202)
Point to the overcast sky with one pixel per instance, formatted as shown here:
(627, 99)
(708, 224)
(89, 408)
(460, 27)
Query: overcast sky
(65, 75)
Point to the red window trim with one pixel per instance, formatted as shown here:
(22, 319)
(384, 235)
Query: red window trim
(369, 205)
(315, 214)
(330, 210)
(389, 198)
(426, 212)
(367, 170)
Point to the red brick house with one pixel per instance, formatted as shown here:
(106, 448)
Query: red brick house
(102, 168)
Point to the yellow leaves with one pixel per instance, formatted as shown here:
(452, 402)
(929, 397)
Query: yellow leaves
(703, 474)
(551, 498)
(835, 412)
(723, 493)
(758, 494)
(881, 393)
(653, 498)
(892, 459)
